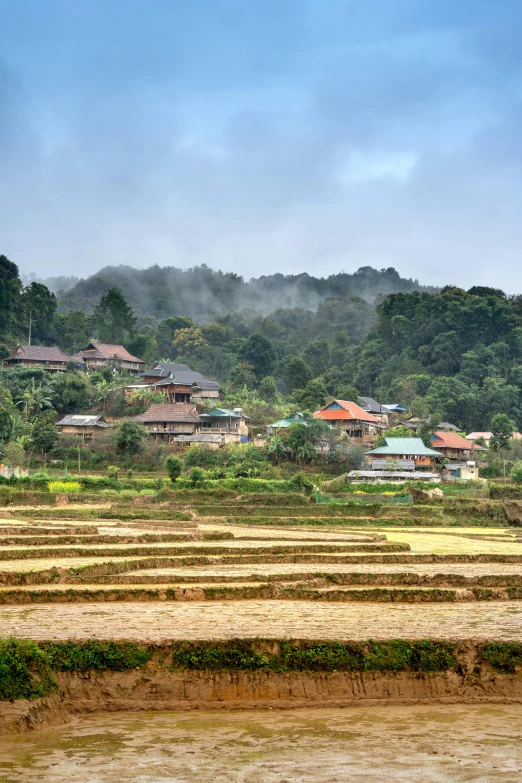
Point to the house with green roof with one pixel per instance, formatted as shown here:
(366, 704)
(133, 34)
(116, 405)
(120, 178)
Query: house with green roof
(222, 421)
(403, 450)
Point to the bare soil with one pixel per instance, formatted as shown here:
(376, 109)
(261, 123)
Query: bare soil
(415, 744)
(497, 620)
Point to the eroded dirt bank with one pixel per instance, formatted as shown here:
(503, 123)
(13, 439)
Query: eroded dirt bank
(157, 686)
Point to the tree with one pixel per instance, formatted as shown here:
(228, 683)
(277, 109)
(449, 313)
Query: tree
(10, 287)
(275, 448)
(4, 352)
(129, 437)
(39, 306)
(71, 392)
(502, 428)
(427, 428)
(188, 341)
(268, 389)
(174, 467)
(516, 472)
(316, 355)
(7, 412)
(35, 399)
(312, 397)
(296, 373)
(45, 434)
(347, 392)
(14, 455)
(259, 352)
(241, 376)
(114, 318)
(197, 476)
(167, 329)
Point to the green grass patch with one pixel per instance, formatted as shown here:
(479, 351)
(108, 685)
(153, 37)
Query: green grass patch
(242, 655)
(504, 657)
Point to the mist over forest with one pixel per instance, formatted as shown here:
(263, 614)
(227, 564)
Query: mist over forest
(202, 293)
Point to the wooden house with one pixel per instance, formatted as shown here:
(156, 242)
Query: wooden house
(52, 358)
(85, 426)
(359, 425)
(166, 421)
(180, 383)
(99, 355)
(454, 447)
(411, 449)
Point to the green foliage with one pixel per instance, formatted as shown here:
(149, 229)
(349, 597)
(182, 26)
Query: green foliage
(502, 428)
(174, 467)
(10, 288)
(38, 306)
(312, 397)
(129, 437)
(14, 455)
(72, 392)
(25, 671)
(504, 657)
(45, 433)
(516, 472)
(114, 318)
(268, 389)
(113, 472)
(296, 373)
(259, 353)
(97, 655)
(196, 477)
(243, 655)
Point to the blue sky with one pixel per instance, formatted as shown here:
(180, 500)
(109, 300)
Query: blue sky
(259, 137)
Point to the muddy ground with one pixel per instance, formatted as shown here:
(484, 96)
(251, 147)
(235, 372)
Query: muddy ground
(422, 744)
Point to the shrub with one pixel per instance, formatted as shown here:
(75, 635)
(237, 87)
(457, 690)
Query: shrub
(65, 486)
(24, 671)
(197, 477)
(516, 472)
(113, 471)
(174, 467)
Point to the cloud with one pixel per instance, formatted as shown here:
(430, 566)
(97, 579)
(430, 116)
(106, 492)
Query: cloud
(263, 137)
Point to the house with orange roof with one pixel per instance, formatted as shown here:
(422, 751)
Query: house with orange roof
(361, 427)
(454, 446)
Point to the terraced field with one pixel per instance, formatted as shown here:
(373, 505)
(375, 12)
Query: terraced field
(178, 605)
(313, 555)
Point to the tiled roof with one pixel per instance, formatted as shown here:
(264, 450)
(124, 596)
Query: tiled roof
(108, 351)
(181, 374)
(405, 446)
(347, 411)
(450, 440)
(179, 411)
(39, 353)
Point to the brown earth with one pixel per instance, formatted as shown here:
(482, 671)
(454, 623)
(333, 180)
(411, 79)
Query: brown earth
(155, 687)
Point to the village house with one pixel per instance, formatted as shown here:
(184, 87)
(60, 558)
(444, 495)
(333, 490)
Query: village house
(359, 425)
(414, 423)
(181, 422)
(99, 355)
(486, 436)
(230, 424)
(52, 359)
(85, 426)
(180, 383)
(166, 421)
(380, 412)
(283, 424)
(398, 449)
(454, 447)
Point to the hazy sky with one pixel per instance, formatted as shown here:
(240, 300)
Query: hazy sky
(263, 135)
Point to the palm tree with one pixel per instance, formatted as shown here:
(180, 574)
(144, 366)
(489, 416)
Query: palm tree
(35, 399)
(275, 448)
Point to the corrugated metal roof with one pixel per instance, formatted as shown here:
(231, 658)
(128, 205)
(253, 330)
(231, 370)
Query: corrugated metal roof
(413, 446)
(78, 420)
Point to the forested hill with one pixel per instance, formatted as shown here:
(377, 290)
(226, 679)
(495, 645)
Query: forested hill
(202, 293)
